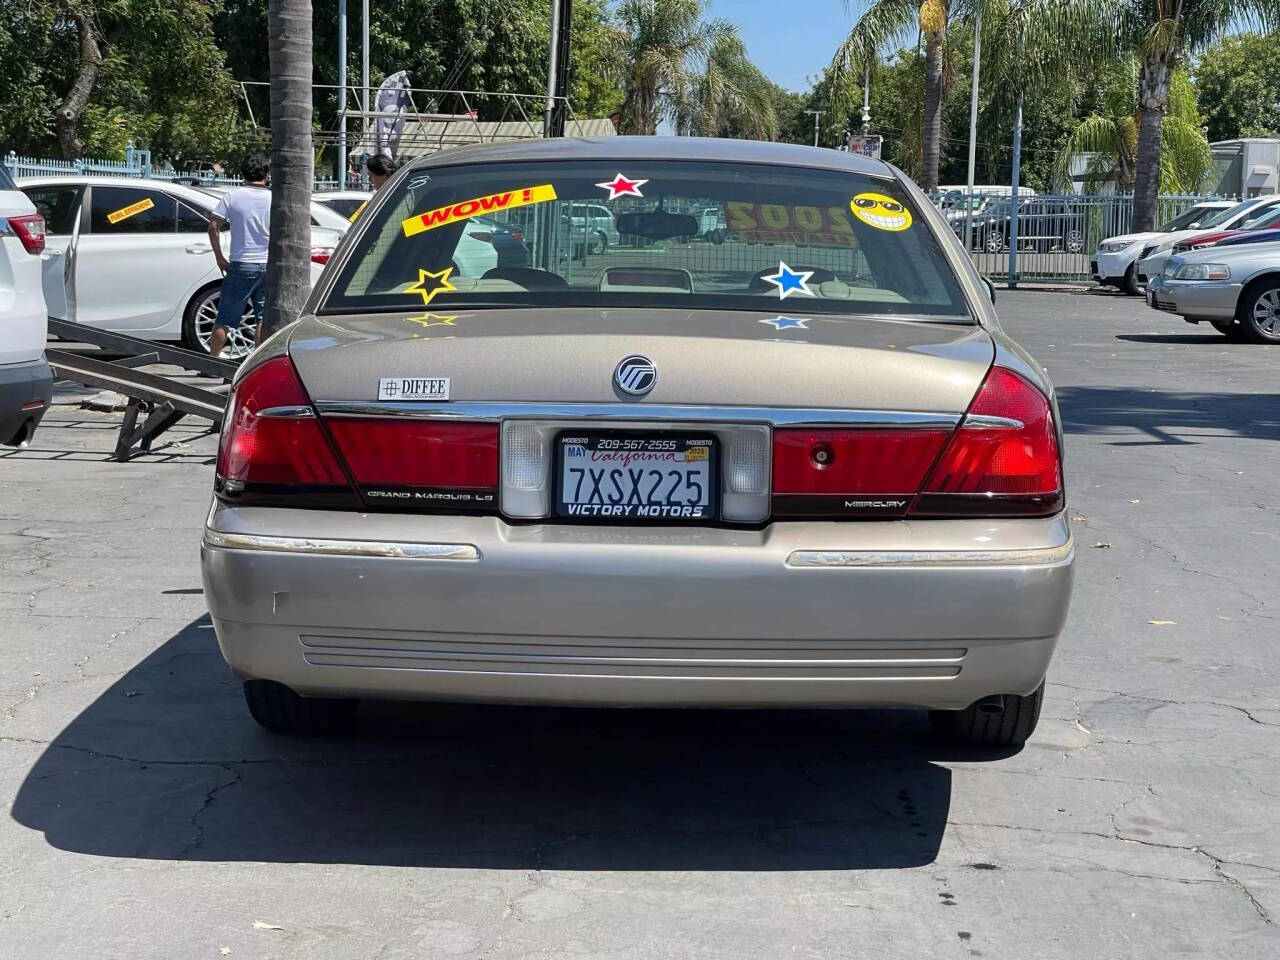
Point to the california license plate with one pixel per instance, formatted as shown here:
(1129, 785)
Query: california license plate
(620, 475)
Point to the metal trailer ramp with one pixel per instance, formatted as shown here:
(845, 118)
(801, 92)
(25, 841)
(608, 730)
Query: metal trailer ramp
(165, 400)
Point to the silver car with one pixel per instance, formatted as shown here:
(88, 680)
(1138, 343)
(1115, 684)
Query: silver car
(1235, 288)
(807, 469)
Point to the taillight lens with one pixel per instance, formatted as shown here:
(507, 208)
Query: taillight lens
(850, 472)
(321, 255)
(273, 447)
(417, 456)
(29, 229)
(1004, 458)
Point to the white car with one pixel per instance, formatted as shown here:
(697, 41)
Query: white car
(1115, 261)
(345, 203)
(591, 225)
(26, 383)
(1151, 259)
(133, 256)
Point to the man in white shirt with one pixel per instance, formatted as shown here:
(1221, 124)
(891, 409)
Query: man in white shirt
(248, 210)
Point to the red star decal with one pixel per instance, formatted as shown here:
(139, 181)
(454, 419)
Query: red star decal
(620, 186)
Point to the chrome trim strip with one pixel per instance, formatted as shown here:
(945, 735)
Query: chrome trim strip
(777, 416)
(298, 411)
(1040, 556)
(992, 423)
(342, 548)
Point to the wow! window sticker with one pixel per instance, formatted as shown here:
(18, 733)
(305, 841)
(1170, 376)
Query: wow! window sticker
(477, 206)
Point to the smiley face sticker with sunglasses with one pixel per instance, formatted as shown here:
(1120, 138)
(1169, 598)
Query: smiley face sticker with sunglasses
(883, 213)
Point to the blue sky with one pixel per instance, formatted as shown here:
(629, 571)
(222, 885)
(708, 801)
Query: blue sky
(790, 40)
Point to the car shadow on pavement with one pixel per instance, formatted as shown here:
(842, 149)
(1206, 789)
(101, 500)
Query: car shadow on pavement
(1169, 416)
(167, 764)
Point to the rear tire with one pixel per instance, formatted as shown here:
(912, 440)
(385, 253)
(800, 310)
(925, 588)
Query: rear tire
(280, 710)
(972, 726)
(1228, 328)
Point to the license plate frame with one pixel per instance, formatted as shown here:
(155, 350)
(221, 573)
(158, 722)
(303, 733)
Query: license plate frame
(651, 439)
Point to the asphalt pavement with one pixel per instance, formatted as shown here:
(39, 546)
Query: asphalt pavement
(147, 816)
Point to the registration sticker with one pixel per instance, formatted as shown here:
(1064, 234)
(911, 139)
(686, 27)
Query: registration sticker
(132, 210)
(694, 454)
(413, 388)
(466, 209)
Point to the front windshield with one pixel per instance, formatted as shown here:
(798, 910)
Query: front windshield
(1227, 214)
(1184, 220)
(685, 234)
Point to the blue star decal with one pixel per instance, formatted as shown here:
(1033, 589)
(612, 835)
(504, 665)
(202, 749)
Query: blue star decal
(787, 323)
(790, 281)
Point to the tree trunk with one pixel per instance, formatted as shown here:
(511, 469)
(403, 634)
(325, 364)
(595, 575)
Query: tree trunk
(289, 252)
(1153, 98)
(67, 117)
(931, 136)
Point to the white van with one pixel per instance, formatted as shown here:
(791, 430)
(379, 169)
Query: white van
(26, 382)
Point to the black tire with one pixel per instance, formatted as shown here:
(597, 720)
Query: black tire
(1259, 312)
(1228, 328)
(1130, 283)
(977, 727)
(599, 244)
(280, 710)
(189, 338)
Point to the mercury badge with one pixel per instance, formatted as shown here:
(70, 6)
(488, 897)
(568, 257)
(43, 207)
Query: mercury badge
(635, 375)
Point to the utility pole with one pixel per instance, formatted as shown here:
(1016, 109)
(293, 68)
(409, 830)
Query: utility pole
(973, 127)
(816, 115)
(552, 69)
(342, 94)
(866, 98)
(1017, 170)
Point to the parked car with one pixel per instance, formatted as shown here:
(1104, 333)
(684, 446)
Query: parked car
(957, 201)
(1153, 255)
(134, 256)
(1236, 289)
(1255, 227)
(1115, 261)
(1044, 224)
(591, 226)
(624, 483)
(346, 203)
(26, 382)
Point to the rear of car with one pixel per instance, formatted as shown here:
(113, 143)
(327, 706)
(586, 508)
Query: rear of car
(26, 382)
(798, 468)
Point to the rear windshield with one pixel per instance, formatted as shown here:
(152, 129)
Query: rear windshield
(682, 234)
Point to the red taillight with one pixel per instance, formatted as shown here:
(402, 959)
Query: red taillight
(321, 255)
(29, 228)
(850, 472)
(479, 235)
(1003, 460)
(272, 443)
(401, 454)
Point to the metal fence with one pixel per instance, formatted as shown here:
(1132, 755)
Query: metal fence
(1051, 238)
(137, 163)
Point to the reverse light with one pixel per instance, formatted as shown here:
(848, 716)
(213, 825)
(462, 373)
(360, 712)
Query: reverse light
(29, 229)
(1203, 271)
(1003, 460)
(272, 446)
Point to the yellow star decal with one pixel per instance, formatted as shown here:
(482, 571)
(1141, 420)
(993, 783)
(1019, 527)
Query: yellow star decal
(432, 320)
(441, 283)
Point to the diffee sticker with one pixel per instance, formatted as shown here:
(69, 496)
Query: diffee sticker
(883, 213)
(429, 284)
(621, 186)
(466, 209)
(413, 388)
(132, 210)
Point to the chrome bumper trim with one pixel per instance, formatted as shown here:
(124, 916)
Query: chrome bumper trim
(1042, 556)
(342, 548)
(778, 416)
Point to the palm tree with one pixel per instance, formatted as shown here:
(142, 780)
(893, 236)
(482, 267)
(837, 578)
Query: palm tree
(689, 71)
(1112, 136)
(1163, 34)
(288, 277)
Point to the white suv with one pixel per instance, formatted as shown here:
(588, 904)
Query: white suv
(26, 383)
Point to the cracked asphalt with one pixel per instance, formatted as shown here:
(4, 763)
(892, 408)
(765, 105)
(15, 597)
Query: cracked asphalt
(147, 816)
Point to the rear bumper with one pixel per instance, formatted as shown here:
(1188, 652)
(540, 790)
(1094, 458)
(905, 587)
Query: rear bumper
(893, 613)
(25, 392)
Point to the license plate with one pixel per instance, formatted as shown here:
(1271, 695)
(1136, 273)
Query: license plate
(636, 476)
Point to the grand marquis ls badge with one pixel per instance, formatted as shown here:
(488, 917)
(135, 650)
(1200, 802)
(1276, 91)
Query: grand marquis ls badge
(635, 375)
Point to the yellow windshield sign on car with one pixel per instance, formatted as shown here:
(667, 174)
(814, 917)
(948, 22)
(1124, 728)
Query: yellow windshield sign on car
(883, 213)
(466, 209)
(358, 210)
(132, 210)
(429, 284)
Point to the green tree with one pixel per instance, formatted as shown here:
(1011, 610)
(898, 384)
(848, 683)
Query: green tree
(77, 75)
(689, 71)
(1237, 82)
(1111, 135)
